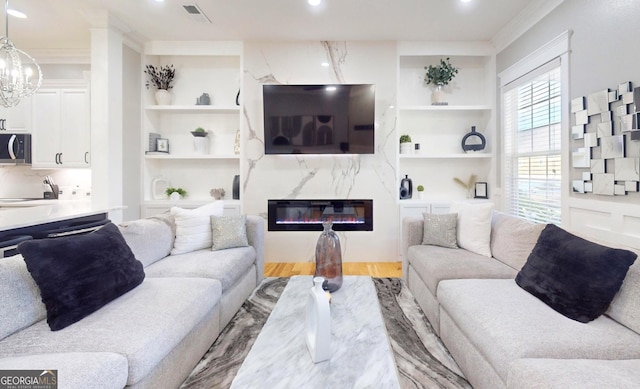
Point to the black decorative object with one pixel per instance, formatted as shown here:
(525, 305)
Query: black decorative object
(574, 276)
(481, 190)
(406, 188)
(473, 146)
(238, 97)
(236, 187)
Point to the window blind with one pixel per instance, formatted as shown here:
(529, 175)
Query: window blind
(532, 145)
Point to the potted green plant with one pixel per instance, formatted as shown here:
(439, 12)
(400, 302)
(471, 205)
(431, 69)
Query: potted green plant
(175, 193)
(405, 144)
(420, 189)
(199, 132)
(439, 76)
(161, 78)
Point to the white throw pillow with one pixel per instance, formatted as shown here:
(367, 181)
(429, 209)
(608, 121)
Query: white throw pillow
(474, 226)
(193, 227)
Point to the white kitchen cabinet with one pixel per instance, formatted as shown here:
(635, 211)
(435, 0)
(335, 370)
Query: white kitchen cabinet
(16, 119)
(61, 127)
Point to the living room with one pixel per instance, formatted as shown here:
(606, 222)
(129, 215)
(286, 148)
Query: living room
(596, 38)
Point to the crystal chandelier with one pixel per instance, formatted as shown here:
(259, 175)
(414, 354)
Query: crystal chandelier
(20, 75)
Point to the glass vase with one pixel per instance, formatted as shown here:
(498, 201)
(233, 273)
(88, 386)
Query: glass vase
(329, 258)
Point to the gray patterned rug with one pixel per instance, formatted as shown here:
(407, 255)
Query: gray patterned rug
(423, 361)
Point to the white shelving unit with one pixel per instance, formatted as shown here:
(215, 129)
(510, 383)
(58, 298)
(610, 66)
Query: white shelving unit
(201, 67)
(439, 129)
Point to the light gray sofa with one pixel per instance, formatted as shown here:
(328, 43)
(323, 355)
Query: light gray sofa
(502, 336)
(150, 337)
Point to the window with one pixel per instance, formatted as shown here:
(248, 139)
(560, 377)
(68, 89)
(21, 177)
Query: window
(532, 128)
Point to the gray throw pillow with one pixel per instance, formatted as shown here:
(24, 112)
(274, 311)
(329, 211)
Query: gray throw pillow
(229, 232)
(440, 230)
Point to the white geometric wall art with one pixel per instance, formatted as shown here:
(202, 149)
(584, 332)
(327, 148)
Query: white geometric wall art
(612, 119)
(627, 169)
(604, 184)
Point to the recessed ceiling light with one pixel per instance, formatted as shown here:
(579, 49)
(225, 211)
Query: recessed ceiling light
(466, 1)
(324, 64)
(314, 2)
(17, 14)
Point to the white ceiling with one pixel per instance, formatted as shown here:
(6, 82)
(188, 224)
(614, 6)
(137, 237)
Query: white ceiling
(65, 23)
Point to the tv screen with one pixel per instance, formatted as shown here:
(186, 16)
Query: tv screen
(319, 119)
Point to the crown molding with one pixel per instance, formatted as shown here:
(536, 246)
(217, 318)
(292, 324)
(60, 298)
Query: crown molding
(526, 19)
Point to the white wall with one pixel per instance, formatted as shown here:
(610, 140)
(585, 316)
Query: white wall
(314, 177)
(603, 54)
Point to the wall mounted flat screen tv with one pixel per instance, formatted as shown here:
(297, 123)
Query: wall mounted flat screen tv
(319, 119)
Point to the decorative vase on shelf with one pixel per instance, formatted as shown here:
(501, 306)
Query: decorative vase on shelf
(318, 322)
(200, 141)
(329, 258)
(405, 148)
(175, 196)
(163, 97)
(437, 96)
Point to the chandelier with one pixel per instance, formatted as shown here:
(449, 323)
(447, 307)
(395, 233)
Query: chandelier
(20, 75)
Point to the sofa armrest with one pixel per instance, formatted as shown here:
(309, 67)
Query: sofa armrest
(412, 234)
(255, 235)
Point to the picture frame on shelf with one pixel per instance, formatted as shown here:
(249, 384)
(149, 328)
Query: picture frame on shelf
(162, 145)
(481, 190)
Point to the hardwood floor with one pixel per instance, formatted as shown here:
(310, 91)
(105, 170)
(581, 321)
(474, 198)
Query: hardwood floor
(373, 269)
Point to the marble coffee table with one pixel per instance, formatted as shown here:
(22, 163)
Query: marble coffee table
(361, 354)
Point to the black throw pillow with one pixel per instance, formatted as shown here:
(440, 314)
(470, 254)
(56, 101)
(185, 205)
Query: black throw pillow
(77, 275)
(574, 276)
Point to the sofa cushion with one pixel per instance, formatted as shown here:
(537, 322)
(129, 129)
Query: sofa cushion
(433, 264)
(574, 276)
(513, 238)
(144, 325)
(229, 232)
(21, 302)
(79, 274)
(150, 239)
(572, 373)
(625, 306)
(474, 226)
(505, 323)
(227, 266)
(440, 230)
(76, 370)
(193, 227)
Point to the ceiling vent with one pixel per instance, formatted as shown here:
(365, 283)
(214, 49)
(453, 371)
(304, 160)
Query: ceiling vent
(195, 13)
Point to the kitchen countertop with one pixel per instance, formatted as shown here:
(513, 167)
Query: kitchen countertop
(30, 203)
(51, 212)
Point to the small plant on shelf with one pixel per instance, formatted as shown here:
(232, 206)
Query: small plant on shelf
(405, 144)
(175, 193)
(160, 77)
(199, 132)
(420, 188)
(405, 139)
(442, 74)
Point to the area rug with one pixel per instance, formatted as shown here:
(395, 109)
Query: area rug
(422, 359)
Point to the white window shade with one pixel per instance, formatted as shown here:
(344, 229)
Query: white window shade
(532, 144)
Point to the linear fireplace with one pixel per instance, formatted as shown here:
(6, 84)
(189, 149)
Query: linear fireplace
(308, 215)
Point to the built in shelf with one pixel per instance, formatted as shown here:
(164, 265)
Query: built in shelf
(191, 156)
(444, 156)
(194, 108)
(188, 202)
(446, 108)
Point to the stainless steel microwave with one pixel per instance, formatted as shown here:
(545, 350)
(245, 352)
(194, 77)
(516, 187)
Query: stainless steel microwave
(15, 149)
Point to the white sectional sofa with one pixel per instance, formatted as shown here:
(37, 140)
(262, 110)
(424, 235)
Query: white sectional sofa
(503, 336)
(149, 337)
